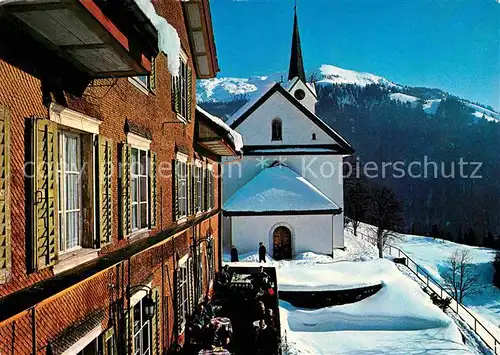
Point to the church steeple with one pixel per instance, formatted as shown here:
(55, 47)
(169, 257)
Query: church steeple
(296, 62)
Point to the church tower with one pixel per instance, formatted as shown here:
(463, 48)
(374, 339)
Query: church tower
(298, 86)
(296, 62)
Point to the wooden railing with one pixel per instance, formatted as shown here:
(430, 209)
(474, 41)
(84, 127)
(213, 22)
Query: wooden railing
(479, 328)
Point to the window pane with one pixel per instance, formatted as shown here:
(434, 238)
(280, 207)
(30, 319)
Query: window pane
(137, 317)
(143, 157)
(71, 152)
(144, 214)
(135, 161)
(135, 188)
(145, 337)
(72, 229)
(144, 79)
(144, 188)
(135, 209)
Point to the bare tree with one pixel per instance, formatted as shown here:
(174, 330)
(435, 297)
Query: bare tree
(460, 279)
(386, 215)
(356, 197)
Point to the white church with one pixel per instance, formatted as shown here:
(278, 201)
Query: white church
(287, 191)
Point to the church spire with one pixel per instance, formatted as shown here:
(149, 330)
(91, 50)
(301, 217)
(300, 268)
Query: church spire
(296, 62)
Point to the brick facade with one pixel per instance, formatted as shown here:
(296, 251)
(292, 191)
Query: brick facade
(113, 102)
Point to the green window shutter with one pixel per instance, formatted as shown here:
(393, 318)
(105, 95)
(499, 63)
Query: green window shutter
(204, 187)
(5, 231)
(176, 95)
(212, 190)
(45, 194)
(189, 183)
(125, 194)
(104, 193)
(155, 325)
(175, 189)
(189, 94)
(152, 76)
(153, 195)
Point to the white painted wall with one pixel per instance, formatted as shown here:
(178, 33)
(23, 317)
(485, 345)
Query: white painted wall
(309, 100)
(309, 233)
(297, 128)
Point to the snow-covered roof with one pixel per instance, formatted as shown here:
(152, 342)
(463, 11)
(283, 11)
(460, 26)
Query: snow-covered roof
(278, 189)
(168, 38)
(235, 136)
(256, 96)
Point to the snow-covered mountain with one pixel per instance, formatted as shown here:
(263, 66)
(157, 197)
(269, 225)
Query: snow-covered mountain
(223, 90)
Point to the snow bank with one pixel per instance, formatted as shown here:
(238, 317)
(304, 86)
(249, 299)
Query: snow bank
(278, 188)
(236, 137)
(399, 319)
(168, 38)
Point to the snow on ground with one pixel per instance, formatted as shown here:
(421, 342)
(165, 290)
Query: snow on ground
(485, 116)
(431, 106)
(334, 75)
(399, 319)
(403, 98)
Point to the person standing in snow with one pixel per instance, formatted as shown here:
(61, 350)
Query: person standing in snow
(262, 252)
(234, 254)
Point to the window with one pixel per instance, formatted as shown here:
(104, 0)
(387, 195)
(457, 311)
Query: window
(146, 82)
(198, 181)
(142, 330)
(182, 193)
(183, 292)
(139, 187)
(313, 136)
(70, 187)
(276, 130)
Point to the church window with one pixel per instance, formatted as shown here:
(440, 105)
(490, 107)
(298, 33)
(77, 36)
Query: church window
(276, 130)
(299, 94)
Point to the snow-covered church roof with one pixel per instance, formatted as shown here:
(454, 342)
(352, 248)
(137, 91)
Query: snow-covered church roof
(279, 189)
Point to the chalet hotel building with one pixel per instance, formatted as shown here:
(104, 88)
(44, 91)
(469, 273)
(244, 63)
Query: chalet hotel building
(109, 176)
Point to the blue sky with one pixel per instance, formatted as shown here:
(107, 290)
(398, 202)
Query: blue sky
(451, 45)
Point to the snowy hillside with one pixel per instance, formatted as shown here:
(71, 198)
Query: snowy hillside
(330, 74)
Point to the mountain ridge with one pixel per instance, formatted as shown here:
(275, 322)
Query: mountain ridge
(227, 89)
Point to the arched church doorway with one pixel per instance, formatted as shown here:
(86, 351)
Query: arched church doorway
(282, 243)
